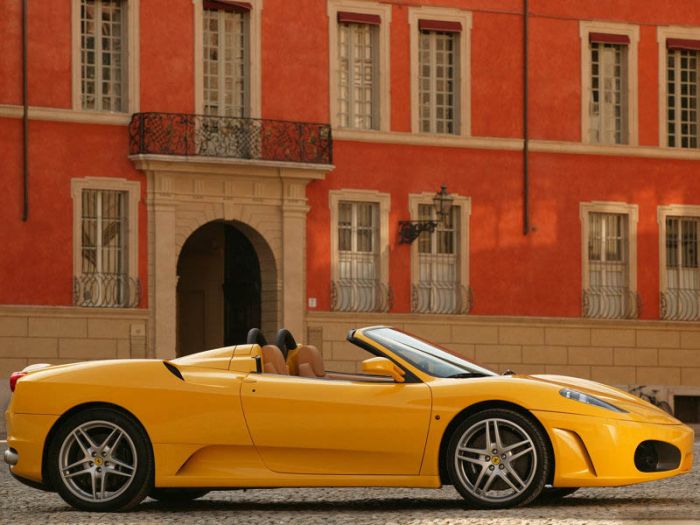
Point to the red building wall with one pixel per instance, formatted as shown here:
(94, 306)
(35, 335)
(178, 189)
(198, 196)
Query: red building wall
(511, 274)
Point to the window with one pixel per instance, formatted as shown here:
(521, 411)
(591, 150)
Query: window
(102, 52)
(679, 227)
(358, 60)
(105, 59)
(225, 62)
(440, 66)
(682, 91)
(358, 31)
(609, 83)
(608, 292)
(438, 289)
(359, 245)
(439, 261)
(358, 236)
(106, 273)
(608, 109)
(438, 79)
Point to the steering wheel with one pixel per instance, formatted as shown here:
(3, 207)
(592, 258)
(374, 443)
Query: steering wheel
(285, 341)
(256, 337)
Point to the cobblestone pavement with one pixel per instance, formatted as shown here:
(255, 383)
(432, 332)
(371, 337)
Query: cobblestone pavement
(676, 500)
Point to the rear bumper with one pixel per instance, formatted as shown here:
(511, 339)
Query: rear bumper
(596, 451)
(26, 435)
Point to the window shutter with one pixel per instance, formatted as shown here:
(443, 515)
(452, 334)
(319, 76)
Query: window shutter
(607, 38)
(682, 43)
(358, 18)
(224, 5)
(440, 25)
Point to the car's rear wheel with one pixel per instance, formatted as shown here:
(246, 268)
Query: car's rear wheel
(498, 458)
(101, 460)
(168, 495)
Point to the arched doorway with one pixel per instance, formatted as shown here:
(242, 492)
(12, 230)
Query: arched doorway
(224, 272)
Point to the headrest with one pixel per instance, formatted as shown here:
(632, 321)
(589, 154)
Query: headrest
(285, 341)
(256, 337)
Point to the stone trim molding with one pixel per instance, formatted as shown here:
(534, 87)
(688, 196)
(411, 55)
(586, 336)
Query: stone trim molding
(464, 96)
(255, 67)
(662, 34)
(384, 66)
(132, 96)
(133, 189)
(632, 31)
(632, 212)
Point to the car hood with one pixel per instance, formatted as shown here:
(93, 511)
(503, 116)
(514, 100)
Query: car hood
(624, 400)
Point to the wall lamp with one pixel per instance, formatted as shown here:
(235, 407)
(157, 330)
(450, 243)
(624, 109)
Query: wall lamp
(410, 230)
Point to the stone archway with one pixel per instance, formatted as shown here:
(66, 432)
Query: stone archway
(266, 202)
(227, 284)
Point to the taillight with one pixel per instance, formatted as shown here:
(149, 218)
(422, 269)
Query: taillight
(14, 377)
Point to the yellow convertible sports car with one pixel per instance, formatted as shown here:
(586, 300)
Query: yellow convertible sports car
(105, 435)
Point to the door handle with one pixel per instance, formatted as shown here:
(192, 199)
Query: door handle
(250, 380)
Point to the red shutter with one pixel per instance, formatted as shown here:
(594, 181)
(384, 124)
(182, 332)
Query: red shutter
(607, 38)
(358, 18)
(681, 43)
(440, 25)
(225, 5)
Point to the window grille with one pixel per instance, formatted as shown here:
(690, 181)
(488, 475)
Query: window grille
(104, 278)
(358, 46)
(438, 76)
(608, 110)
(358, 287)
(682, 93)
(102, 55)
(226, 76)
(438, 288)
(608, 295)
(681, 298)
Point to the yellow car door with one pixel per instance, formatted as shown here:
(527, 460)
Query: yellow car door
(319, 426)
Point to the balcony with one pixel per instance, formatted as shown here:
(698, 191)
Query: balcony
(188, 135)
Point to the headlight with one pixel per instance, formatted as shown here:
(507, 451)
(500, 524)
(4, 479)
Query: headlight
(588, 399)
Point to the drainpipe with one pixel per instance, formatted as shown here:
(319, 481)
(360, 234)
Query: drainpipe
(25, 119)
(526, 132)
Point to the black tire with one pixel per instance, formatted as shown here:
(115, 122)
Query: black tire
(552, 494)
(115, 442)
(495, 481)
(171, 495)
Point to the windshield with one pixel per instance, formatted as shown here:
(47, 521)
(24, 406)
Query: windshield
(427, 357)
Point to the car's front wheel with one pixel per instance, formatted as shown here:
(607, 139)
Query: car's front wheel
(101, 460)
(498, 458)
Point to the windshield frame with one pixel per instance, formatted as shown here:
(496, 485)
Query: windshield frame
(435, 354)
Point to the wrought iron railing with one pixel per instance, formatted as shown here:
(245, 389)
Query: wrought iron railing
(680, 304)
(610, 302)
(440, 298)
(360, 295)
(230, 137)
(100, 290)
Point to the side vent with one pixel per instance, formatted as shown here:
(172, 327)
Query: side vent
(173, 370)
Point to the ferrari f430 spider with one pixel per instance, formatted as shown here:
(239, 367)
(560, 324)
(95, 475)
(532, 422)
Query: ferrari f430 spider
(106, 434)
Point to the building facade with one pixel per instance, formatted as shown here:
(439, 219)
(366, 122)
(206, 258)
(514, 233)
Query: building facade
(177, 172)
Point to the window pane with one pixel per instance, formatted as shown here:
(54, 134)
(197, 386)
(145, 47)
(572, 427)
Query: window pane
(358, 79)
(437, 81)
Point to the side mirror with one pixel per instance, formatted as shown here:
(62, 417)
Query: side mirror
(381, 366)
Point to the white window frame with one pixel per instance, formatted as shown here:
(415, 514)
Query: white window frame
(442, 14)
(621, 208)
(130, 97)
(383, 77)
(133, 189)
(632, 32)
(383, 200)
(465, 211)
(254, 54)
(663, 212)
(663, 33)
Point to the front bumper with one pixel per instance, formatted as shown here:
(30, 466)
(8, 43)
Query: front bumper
(598, 451)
